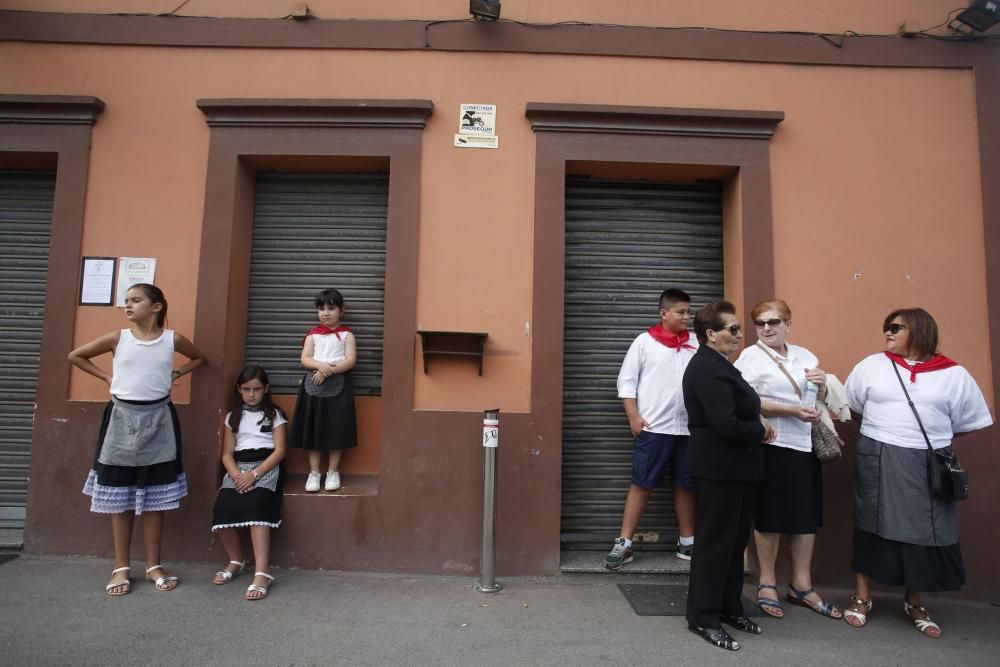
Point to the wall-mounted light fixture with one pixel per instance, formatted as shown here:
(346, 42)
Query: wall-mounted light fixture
(979, 16)
(485, 10)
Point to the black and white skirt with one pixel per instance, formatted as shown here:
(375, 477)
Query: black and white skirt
(260, 506)
(324, 416)
(137, 466)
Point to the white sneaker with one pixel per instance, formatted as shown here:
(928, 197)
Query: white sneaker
(332, 481)
(312, 483)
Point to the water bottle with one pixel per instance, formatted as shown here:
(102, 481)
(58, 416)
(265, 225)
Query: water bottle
(809, 397)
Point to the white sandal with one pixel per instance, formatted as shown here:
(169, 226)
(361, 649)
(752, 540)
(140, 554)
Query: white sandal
(923, 624)
(858, 611)
(162, 581)
(254, 588)
(227, 575)
(115, 584)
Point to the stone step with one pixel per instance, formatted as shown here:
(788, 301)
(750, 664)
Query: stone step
(645, 562)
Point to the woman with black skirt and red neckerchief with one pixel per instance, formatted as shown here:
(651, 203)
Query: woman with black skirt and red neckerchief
(903, 534)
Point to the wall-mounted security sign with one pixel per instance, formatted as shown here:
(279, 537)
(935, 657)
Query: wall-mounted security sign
(471, 141)
(478, 119)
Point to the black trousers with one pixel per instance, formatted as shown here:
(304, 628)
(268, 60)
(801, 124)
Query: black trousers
(723, 517)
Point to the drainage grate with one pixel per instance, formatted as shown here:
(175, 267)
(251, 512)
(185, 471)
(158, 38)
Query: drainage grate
(667, 600)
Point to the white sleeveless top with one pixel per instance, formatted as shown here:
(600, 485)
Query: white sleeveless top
(141, 368)
(328, 348)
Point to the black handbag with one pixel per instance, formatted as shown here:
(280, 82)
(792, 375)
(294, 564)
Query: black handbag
(946, 478)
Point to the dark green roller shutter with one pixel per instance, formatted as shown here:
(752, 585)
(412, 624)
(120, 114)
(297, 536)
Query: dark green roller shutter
(25, 227)
(310, 232)
(626, 241)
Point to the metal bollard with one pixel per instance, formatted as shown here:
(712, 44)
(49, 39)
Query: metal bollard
(487, 563)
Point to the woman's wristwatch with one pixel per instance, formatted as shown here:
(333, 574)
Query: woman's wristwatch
(255, 475)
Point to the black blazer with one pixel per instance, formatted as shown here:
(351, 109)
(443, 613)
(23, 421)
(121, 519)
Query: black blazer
(724, 420)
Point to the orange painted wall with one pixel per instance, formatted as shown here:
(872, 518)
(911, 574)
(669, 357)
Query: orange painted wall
(869, 166)
(862, 16)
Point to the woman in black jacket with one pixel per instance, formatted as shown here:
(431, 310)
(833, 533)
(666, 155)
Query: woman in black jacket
(726, 460)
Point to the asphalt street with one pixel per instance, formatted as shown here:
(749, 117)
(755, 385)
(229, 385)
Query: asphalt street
(53, 611)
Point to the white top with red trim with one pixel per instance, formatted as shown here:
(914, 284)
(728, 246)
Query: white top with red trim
(651, 374)
(948, 401)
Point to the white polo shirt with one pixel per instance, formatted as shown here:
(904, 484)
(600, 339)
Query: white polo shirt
(651, 374)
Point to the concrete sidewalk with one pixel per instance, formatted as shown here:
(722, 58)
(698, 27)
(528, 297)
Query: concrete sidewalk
(54, 611)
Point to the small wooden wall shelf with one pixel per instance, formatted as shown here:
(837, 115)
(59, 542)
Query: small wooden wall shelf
(453, 344)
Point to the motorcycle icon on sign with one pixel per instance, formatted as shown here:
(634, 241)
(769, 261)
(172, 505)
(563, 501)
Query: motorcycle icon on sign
(470, 119)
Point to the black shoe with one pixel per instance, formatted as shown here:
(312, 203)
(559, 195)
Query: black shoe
(742, 623)
(717, 637)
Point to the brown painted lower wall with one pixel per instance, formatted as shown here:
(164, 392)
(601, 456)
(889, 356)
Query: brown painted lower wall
(426, 516)
(832, 557)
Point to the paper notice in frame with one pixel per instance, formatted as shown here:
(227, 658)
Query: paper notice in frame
(97, 281)
(132, 270)
(473, 141)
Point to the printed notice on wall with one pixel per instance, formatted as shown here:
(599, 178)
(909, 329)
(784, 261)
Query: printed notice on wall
(477, 119)
(477, 126)
(469, 141)
(97, 281)
(132, 270)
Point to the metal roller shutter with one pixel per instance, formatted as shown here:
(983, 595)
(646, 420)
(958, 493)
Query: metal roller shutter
(310, 232)
(626, 241)
(25, 227)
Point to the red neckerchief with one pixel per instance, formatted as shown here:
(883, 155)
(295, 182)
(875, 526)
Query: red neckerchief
(669, 338)
(323, 330)
(938, 362)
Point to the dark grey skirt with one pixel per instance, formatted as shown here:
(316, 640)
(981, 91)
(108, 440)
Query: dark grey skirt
(903, 535)
(892, 498)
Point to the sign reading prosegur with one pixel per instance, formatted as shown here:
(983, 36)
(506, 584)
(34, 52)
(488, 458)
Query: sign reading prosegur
(477, 126)
(478, 119)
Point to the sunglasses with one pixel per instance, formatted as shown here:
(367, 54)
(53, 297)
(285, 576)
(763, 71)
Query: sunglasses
(773, 323)
(895, 328)
(733, 329)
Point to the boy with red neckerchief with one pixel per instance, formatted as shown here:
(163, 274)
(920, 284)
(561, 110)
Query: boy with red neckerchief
(649, 385)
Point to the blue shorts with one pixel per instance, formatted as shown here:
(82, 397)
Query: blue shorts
(654, 453)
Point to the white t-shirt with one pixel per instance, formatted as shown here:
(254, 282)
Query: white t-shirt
(651, 374)
(328, 348)
(255, 431)
(140, 370)
(948, 401)
(761, 373)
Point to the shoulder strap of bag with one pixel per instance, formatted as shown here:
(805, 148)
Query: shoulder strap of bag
(774, 358)
(912, 407)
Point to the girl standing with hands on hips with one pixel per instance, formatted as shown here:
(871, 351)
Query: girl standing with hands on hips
(252, 450)
(137, 468)
(324, 419)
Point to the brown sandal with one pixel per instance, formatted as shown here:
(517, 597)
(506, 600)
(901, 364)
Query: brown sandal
(856, 615)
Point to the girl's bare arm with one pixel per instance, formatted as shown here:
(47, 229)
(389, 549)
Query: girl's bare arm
(194, 355)
(351, 358)
(81, 356)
